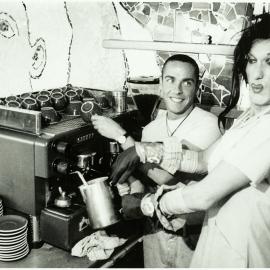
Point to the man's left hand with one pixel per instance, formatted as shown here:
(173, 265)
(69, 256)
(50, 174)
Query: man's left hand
(131, 206)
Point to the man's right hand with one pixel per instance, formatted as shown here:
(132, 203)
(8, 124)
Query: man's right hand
(107, 127)
(124, 165)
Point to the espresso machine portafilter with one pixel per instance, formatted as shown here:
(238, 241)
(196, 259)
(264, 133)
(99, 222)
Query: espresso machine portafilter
(86, 161)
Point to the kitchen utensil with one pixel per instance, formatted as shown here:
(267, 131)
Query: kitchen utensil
(85, 160)
(59, 101)
(13, 103)
(11, 98)
(12, 223)
(119, 101)
(63, 200)
(103, 102)
(88, 109)
(98, 198)
(50, 114)
(74, 108)
(44, 92)
(43, 101)
(72, 95)
(26, 95)
(56, 90)
(30, 104)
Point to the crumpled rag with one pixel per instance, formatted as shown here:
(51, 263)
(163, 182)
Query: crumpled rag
(97, 246)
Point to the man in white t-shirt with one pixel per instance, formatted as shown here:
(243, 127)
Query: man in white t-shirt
(196, 127)
(180, 79)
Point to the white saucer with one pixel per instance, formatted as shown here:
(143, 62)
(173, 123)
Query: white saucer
(13, 236)
(19, 249)
(15, 256)
(12, 223)
(6, 241)
(13, 247)
(14, 259)
(11, 244)
(18, 232)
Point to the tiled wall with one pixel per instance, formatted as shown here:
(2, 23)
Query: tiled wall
(197, 22)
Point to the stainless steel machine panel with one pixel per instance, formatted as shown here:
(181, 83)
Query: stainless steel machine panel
(20, 119)
(18, 186)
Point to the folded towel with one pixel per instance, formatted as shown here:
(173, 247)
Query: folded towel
(97, 246)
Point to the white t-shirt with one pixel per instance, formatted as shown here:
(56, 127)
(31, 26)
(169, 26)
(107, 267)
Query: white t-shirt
(246, 147)
(200, 128)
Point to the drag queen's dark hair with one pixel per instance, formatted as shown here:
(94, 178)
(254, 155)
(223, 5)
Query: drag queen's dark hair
(259, 29)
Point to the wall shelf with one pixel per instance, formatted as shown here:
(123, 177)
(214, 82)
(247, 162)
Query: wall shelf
(226, 50)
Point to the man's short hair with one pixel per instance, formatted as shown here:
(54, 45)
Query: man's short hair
(183, 58)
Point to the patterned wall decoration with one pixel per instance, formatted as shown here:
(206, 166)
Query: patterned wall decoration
(197, 22)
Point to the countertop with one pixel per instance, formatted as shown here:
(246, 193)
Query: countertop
(49, 256)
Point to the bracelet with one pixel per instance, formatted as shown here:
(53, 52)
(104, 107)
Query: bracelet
(149, 152)
(190, 161)
(172, 155)
(153, 152)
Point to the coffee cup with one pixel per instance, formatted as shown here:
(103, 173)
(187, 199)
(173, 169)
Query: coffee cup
(83, 93)
(72, 95)
(103, 102)
(29, 104)
(11, 98)
(26, 95)
(14, 104)
(59, 101)
(88, 109)
(56, 90)
(73, 108)
(50, 115)
(43, 101)
(44, 92)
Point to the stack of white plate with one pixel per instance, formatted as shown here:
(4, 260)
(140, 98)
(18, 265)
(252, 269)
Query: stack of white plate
(1, 207)
(13, 238)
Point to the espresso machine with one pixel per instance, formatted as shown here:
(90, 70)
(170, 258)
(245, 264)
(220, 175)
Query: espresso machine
(36, 169)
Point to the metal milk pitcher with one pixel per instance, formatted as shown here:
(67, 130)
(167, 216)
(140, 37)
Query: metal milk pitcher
(98, 198)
